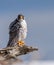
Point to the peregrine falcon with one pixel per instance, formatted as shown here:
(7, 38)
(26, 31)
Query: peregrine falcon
(17, 31)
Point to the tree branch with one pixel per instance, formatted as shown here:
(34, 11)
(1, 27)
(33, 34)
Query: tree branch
(13, 52)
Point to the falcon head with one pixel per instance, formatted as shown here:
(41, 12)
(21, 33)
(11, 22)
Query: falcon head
(20, 17)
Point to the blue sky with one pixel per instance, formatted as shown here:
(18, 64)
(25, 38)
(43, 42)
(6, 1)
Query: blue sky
(18, 5)
(39, 15)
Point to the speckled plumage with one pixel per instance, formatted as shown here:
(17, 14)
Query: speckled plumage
(17, 31)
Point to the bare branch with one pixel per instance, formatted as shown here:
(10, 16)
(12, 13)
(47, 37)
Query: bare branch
(13, 52)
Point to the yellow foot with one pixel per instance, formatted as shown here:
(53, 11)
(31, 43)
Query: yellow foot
(21, 43)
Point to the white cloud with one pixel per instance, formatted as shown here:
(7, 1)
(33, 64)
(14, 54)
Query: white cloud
(36, 63)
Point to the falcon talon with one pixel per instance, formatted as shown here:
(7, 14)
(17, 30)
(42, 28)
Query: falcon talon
(21, 43)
